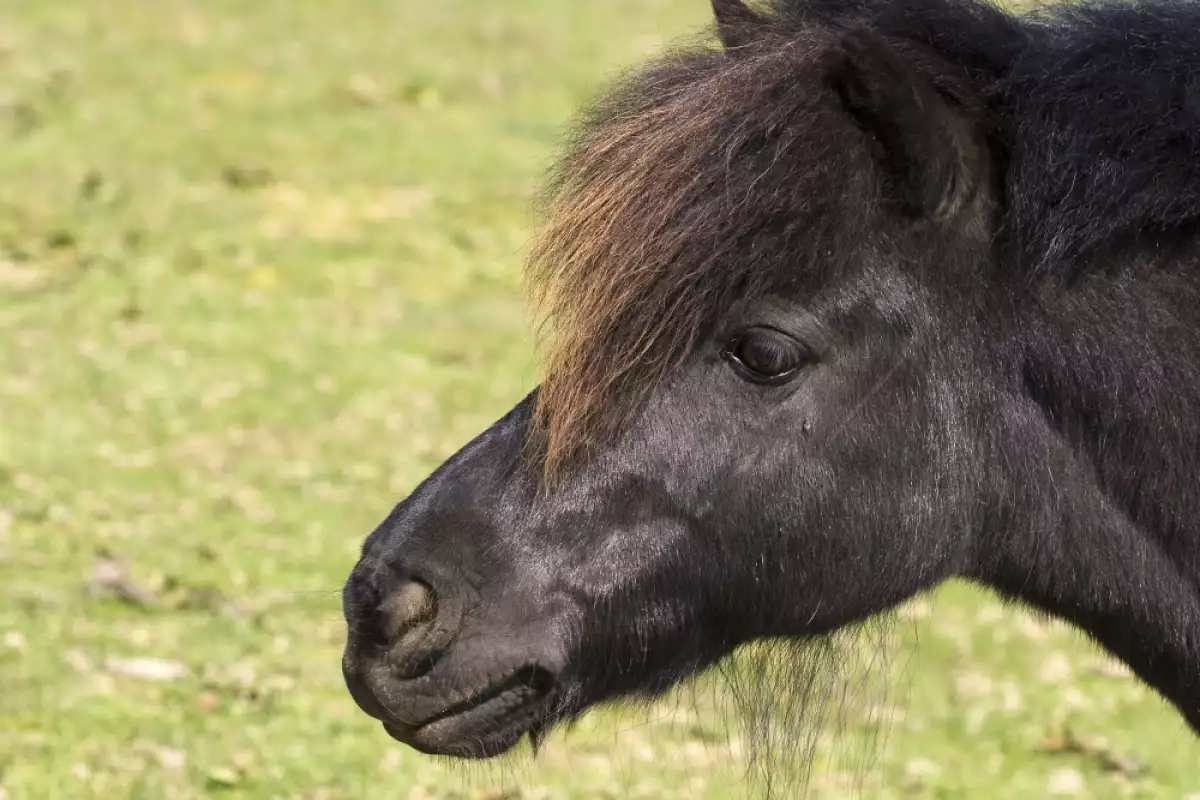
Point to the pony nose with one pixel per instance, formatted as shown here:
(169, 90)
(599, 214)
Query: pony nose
(396, 623)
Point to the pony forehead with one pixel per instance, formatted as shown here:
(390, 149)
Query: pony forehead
(676, 196)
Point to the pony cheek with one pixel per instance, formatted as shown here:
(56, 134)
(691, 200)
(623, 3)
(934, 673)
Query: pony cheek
(625, 560)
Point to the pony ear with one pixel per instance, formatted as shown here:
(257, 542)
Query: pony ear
(924, 142)
(736, 22)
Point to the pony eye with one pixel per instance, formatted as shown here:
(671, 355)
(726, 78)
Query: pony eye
(765, 355)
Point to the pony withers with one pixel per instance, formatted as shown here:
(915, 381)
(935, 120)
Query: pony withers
(873, 294)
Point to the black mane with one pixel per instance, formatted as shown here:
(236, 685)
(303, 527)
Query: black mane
(1096, 109)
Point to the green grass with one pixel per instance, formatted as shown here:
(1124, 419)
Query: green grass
(259, 273)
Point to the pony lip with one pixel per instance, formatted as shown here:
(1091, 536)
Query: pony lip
(488, 723)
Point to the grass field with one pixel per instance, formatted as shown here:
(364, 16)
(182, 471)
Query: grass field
(259, 273)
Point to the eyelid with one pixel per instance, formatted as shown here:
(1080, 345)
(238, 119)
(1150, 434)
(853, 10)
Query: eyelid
(732, 342)
(766, 380)
(728, 354)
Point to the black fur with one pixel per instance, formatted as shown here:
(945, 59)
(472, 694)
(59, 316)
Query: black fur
(1095, 106)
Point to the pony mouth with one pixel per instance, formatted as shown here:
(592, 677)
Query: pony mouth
(489, 723)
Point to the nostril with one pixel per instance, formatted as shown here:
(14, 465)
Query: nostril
(406, 609)
(397, 622)
(407, 624)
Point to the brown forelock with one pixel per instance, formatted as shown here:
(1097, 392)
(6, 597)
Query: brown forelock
(677, 197)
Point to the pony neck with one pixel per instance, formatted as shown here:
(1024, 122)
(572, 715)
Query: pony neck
(1078, 557)
(1093, 499)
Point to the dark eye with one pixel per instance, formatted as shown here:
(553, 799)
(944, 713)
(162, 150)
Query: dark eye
(766, 355)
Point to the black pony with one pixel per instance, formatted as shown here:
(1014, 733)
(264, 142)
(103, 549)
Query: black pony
(876, 294)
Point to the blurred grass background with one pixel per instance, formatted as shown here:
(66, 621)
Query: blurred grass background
(259, 273)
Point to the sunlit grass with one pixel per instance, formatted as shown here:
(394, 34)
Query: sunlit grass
(259, 273)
